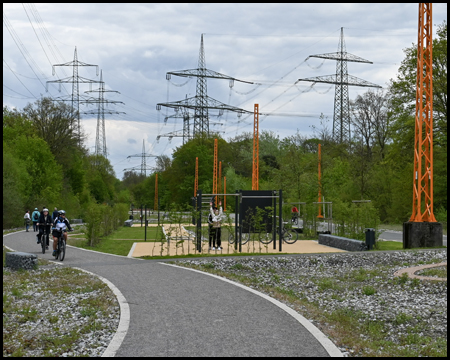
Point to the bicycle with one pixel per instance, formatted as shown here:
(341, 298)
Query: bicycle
(245, 237)
(44, 238)
(60, 247)
(289, 235)
(294, 218)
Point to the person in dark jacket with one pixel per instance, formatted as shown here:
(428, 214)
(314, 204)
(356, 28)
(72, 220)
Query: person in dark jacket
(55, 214)
(45, 222)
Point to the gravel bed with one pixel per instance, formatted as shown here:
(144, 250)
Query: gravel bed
(38, 317)
(363, 282)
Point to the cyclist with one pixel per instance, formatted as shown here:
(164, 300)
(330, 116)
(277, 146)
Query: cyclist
(60, 224)
(45, 220)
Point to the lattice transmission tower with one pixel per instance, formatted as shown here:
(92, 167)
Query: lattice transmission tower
(201, 103)
(100, 136)
(143, 157)
(341, 117)
(75, 80)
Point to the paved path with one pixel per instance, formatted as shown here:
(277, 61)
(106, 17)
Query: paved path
(179, 312)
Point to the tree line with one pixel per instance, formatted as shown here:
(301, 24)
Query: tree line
(46, 164)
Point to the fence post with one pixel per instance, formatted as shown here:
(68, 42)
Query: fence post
(199, 221)
(280, 201)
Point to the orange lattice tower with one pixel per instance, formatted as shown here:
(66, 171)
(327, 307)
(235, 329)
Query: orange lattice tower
(423, 143)
(219, 179)
(215, 171)
(255, 168)
(320, 184)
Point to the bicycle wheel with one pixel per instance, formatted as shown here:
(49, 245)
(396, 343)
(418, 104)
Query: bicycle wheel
(290, 236)
(245, 238)
(62, 250)
(266, 238)
(43, 243)
(230, 238)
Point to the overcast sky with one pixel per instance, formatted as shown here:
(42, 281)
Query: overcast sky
(135, 45)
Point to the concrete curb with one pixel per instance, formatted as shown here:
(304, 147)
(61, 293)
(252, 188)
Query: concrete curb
(124, 321)
(328, 345)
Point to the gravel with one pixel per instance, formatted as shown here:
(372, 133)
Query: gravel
(425, 300)
(38, 318)
(363, 282)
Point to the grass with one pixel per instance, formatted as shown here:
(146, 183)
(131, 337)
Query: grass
(94, 300)
(440, 272)
(352, 329)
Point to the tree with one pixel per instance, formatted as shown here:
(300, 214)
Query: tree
(57, 124)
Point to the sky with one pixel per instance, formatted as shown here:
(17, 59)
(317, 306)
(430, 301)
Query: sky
(135, 45)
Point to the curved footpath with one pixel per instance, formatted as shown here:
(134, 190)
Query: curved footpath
(175, 311)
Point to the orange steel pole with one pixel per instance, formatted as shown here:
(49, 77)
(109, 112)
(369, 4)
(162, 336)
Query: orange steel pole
(320, 183)
(155, 206)
(215, 171)
(224, 191)
(219, 185)
(255, 168)
(423, 141)
(196, 177)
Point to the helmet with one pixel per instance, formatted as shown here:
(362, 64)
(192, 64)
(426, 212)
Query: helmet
(35, 208)
(62, 212)
(45, 210)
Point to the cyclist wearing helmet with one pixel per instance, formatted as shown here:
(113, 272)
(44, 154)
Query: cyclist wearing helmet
(44, 220)
(60, 224)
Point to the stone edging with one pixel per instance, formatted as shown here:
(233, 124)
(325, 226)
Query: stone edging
(412, 270)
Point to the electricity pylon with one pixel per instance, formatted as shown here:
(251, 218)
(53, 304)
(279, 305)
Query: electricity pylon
(75, 80)
(341, 117)
(100, 138)
(201, 103)
(143, 157)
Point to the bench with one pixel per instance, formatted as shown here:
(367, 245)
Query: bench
(21, 260)
(128, 223)
(342, 243)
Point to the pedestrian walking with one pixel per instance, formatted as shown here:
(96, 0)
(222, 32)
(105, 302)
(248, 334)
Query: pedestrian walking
(27, 219)
(35, 218)
(55, 214)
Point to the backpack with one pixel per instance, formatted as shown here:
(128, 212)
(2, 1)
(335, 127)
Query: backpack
(35, 217)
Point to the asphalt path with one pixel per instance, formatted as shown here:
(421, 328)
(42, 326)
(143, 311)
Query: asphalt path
(178, 312)
(391, 235)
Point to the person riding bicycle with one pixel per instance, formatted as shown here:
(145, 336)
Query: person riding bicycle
(45, 221)
(61, 224)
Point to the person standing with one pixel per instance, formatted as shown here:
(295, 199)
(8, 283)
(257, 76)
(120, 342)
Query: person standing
(211, 232)
(27, 219)
(35, 218)
(55, 214)
(217, 220)
(45, 222)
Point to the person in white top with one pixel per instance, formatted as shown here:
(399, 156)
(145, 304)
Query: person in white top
(27, 219)
(216, 227)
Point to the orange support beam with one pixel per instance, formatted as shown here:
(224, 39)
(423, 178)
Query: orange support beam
(320, 183)
(215, 171)
(196, 177)
(219, 183)
(224, 191)
(423, 142)
(255, 168)
(155, 205)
